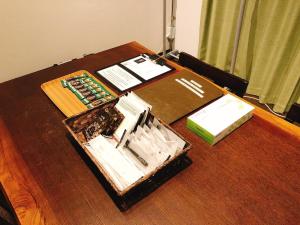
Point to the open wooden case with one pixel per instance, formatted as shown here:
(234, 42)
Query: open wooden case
(143, 186)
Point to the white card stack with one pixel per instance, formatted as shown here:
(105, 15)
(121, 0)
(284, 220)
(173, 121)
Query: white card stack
(138, 146)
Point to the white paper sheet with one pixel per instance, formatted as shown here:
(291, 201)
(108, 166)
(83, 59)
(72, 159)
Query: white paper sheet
(145, 68)
(122, 172)
(119, 77)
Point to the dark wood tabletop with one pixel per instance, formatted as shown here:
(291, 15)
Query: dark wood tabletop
(250, 177)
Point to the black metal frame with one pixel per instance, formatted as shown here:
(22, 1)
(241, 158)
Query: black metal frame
(235, 84)
(293, 114)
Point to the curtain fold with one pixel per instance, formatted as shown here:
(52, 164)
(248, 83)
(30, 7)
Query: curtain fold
(245, 53)
(269, 47)
(217, 33)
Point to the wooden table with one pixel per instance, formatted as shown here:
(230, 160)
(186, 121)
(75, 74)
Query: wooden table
(250, 177)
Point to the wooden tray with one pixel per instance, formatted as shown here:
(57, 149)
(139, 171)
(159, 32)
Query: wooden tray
(64, 99)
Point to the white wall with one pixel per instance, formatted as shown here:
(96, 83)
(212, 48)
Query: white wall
(188, 26)
(36, 34)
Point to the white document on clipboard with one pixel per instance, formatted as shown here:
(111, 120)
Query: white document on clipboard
(145, 68)
(119, 77)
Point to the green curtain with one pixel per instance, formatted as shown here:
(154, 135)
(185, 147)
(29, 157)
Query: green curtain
(269, 47)
(217, 31)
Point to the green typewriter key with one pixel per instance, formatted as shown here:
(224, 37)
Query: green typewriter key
(79, 95)
(64, 83)
(85, 101)
(89, 106)
(98, 96)
(70, 86)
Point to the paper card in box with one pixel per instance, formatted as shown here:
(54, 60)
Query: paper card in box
(127, 171)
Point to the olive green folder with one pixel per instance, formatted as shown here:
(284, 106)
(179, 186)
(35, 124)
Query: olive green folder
(171, 100)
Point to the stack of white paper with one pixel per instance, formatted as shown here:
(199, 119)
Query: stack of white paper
(122, 172)
(219, 118)
(154, 144)
(138, 146)
(133, 108)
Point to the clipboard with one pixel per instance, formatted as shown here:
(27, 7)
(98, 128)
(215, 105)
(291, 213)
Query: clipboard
(130, 73)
